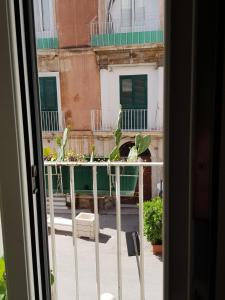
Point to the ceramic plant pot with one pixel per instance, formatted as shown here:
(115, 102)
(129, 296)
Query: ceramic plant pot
(157, 249)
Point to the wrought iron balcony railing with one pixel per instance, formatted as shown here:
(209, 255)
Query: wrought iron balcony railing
(132, 120)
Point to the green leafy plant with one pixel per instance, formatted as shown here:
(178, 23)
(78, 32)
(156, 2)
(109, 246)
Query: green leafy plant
(58, 140)
(49, 154)
(3, 287)
(153, 217)
(73, 156)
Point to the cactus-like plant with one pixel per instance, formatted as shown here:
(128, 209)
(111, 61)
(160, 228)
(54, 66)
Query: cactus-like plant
(115, 153)
(61, 155)
(141, 145)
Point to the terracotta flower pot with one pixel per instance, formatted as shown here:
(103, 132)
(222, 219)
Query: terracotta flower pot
(157, 249)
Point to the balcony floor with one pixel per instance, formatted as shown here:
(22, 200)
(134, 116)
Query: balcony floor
(108, 261)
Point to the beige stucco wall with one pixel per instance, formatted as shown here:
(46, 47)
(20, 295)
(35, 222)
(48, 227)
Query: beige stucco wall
(73, 19)
(79, 84)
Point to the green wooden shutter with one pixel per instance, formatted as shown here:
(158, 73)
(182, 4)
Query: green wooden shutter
(133, 98)
(49, 103)
(48, 93)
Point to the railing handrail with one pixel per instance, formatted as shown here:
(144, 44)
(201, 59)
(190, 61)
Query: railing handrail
(103, 164)
(119, 20)
(141, 119)
(134, 109)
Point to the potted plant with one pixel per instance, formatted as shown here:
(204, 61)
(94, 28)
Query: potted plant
(153, 214)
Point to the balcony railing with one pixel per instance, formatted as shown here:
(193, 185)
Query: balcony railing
(72, 169)
(52, 121)
(46, 40)
(114, 33)
(132, 120)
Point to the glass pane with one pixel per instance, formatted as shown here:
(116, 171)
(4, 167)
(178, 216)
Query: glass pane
(126, 14)
(139, 12)
(127, 85)
(46, 18)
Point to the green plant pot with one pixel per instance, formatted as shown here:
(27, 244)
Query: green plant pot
(83, 180)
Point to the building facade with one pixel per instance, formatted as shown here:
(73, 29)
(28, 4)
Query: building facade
(93, 58)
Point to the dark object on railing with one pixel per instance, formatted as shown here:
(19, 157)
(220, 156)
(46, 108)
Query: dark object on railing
(133, 247)
(161, 189)
(133, 243)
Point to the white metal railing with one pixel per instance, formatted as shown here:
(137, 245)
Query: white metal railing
(117, 26)
(52, 120)
(132, 120)
(72, 166)
(46, 39)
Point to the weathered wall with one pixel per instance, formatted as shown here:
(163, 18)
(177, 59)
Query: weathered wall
(79, 84)
(73, 19)
(80, 88)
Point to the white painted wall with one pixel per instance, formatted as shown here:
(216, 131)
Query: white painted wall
(110, 92)
(152, 14)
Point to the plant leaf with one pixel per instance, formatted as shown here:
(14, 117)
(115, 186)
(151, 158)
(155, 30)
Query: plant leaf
(115, 154)
(133, 154)
(118, 135)
(144, 143)
(138, 139)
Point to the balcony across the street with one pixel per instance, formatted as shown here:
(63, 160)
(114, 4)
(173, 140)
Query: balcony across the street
(132, 120)
(113, 34)
(52, 121)
(47, 40)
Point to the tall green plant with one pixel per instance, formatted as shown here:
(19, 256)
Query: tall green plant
(3, 287)
(153, 218)
(61, 155)
(115, 153)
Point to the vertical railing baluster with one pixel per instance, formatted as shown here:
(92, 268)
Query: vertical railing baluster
(73, 212)
(95, 195)
(52, 228)
(118, 223)
(144, 118)
(132, 117)
(141, 233)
